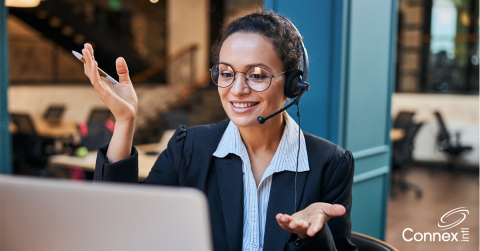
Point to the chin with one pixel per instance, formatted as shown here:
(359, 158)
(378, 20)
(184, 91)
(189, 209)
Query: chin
(244, 121)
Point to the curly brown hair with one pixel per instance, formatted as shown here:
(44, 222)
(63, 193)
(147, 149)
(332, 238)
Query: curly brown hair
(271, 25)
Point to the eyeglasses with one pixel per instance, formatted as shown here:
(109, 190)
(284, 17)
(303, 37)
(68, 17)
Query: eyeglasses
(257, 77)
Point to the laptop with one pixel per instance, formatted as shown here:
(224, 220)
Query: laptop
(58, 215)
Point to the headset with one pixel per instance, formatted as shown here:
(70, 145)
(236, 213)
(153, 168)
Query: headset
(295, 82)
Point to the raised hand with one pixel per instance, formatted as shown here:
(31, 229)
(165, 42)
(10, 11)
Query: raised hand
(310, 220)
(121, 99)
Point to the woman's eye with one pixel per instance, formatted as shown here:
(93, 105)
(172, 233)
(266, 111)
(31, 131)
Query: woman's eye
(257, 76)
(226, 74)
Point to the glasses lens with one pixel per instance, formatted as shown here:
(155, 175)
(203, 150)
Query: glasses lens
(258, 78)
(222, 75)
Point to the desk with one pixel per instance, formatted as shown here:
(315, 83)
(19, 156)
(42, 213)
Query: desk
(45, 129)
(145, 162)
(397, 134)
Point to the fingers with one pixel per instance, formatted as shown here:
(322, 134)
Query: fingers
(317, 222)
(87, 52)
(283, 220)
(122, 71)
(290, 224)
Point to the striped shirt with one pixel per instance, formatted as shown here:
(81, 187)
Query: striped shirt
(255, 200)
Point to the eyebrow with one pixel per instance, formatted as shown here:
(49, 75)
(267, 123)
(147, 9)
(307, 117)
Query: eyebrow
(253, 65)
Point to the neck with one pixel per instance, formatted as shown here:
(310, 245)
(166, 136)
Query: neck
(266, 137)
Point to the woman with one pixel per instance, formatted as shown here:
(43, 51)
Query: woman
(246, 169)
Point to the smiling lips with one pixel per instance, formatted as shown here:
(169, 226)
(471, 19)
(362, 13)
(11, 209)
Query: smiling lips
(244, 105)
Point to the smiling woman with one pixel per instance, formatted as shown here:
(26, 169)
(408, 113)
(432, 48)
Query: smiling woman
(251, 172)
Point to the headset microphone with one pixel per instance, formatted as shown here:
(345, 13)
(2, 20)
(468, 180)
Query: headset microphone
(306, 87)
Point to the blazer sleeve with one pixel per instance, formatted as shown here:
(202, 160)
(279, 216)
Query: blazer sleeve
(338, 190)
(165, 171)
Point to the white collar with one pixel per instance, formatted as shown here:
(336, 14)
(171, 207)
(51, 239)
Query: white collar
(285, 156)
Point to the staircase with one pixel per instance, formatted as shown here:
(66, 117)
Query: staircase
(107, 30)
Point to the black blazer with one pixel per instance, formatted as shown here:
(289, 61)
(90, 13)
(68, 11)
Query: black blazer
(189, 161)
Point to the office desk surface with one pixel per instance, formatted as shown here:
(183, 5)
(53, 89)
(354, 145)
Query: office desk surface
(45, 129)
(145, 162)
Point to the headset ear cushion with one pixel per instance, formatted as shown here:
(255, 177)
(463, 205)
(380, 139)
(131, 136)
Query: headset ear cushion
(291, 81)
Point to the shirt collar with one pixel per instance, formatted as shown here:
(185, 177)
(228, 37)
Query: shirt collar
(285, 158)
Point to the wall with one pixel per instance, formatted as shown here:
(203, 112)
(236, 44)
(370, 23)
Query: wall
(188, 23)
(5, 140)
(460, 113)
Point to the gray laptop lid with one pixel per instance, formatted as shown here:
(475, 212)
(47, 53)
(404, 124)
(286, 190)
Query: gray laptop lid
(53, 215)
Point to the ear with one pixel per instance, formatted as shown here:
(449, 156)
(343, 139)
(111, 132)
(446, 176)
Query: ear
(291, 81)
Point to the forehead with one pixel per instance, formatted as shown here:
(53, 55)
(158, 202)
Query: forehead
(241, 49)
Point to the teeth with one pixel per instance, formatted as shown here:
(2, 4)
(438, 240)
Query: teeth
(244, 105)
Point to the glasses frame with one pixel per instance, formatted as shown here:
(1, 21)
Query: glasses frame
(246, 79)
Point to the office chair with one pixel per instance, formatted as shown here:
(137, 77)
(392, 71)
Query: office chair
(368, 243)
(28, 148)
(100, 115)
(403, 120)
(401, 159)
(24, 124)
(445, 145)
(97, 136)
(54, 113)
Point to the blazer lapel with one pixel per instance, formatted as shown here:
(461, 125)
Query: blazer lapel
(230, 183)
(282, 198)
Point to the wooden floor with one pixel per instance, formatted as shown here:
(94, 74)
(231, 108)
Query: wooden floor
(442, 192)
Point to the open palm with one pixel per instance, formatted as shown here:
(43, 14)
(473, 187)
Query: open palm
(121, 98)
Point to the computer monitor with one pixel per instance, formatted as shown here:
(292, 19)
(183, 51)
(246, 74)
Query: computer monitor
(47, 214)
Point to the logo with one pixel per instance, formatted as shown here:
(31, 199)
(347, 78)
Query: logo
(460, 210)
(445, 223)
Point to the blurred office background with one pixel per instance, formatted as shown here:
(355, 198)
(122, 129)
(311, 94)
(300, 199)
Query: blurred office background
(396, 82)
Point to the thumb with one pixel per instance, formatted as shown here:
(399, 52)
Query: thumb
(122, 71)
(335, 210)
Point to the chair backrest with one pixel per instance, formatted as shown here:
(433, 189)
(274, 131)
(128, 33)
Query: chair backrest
(54, 113)
(98, 136)
(100, 115)
(410, 134)
(443, 137)
(403, 149)
(403, 120)
(368, 243)
(172, 120)
(24, 123)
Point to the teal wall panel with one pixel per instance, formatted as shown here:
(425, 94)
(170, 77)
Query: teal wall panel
(365, 120)
(366, 214)
(368, 75)
(367, 164)
(5, 145)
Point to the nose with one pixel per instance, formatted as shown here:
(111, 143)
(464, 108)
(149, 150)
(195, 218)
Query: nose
(239, 86)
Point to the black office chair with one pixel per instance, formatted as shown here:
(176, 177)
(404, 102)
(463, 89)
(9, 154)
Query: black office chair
(54, 114)
(445, 145)
(403, 120)
(100, 115)
(401, 160)
(24, 124)
(29, 156)
(98, 136)
(368, 243)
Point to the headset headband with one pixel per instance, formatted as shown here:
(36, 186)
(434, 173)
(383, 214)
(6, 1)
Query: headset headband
(304, 51)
